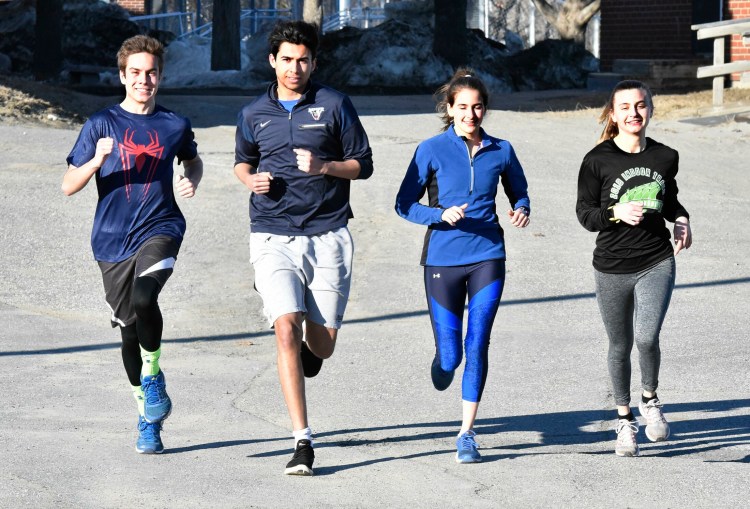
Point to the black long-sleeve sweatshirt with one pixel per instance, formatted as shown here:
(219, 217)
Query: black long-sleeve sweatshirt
(609, 175)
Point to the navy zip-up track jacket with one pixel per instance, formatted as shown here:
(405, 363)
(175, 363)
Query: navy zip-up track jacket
(324, 122)
(443, 167)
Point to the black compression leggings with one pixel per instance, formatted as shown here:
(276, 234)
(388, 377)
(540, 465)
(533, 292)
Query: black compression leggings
(146, 331)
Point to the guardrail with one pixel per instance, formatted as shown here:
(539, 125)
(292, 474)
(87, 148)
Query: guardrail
(179, 23)
(357, 17)
(718, 31)
(182, 24)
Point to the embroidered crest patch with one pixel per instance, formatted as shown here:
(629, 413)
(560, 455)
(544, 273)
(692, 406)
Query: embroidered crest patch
(316, 112)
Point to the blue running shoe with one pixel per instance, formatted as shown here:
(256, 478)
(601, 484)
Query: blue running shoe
(157, 405)
(467, 449)
(149, 437)
(440, 379)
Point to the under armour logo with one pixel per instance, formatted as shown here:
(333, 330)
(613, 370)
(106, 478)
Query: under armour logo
(436, 276)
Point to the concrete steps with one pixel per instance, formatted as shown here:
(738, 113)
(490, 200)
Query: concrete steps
(659, 74)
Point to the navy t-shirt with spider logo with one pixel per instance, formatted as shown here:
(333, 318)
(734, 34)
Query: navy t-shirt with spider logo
(135, 183)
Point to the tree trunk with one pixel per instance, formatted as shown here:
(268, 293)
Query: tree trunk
(225, 38)
(451, 37)
(570, 18)
(312, 12)
(48, 33)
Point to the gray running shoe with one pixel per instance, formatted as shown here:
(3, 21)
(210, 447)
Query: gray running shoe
(627, 445)
(657, 427)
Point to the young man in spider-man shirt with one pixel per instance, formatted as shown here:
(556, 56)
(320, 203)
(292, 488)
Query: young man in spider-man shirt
(138, 228)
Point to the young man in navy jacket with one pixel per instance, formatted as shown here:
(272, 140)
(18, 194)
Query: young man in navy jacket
(298, 146)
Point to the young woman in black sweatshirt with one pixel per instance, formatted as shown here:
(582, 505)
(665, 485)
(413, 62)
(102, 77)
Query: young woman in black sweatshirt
(626, 191)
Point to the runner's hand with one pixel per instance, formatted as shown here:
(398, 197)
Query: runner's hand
(260, 183)
(630, 212)
(185, 187)
(309, 163)
(518, 218)
(104, 147)
(683, 236)
(454, 214)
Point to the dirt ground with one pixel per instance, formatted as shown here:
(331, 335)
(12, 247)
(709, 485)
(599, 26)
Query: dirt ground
(26, 101)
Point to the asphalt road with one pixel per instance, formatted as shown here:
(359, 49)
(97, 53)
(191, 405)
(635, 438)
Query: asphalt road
(384, 436)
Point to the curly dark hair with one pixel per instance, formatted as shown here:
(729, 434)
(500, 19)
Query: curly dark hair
(294, 32)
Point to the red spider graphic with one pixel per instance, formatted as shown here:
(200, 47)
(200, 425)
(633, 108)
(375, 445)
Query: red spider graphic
(139, 154)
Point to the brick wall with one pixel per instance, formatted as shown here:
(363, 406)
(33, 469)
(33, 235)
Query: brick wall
(133, 6)
(645, 29)
(738, 9)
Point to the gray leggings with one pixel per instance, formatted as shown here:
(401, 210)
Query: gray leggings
(633, 307)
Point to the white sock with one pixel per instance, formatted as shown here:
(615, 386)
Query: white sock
(302, 434)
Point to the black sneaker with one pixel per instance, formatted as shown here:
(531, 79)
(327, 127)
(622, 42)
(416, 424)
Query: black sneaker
(302, 461)
(311, 364)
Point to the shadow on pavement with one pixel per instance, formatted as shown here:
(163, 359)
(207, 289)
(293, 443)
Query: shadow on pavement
(392, 316)
(694, 436)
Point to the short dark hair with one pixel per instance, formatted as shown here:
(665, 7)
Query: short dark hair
(294, 32)
(140, 44)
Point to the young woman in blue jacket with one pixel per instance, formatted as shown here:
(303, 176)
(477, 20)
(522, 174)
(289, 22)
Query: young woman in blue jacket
(464, 251)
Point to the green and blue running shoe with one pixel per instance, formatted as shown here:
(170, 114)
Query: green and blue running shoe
(467, 448)
(157, 405)
(149, 437)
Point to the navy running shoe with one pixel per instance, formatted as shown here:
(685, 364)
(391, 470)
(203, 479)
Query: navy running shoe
(302, 461)
(311, 363)
(157, 405)
(149, 437)
(467, 448)
(440, 379)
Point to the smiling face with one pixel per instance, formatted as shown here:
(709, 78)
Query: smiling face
(467, 112)
(141, 79)
(631, 111)
(293, 64)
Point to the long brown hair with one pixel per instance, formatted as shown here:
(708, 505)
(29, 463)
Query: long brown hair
(605, 117)
(464, 77)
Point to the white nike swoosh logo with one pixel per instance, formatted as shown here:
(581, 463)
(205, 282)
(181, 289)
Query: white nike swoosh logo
(264, 124)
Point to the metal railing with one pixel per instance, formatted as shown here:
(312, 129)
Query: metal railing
(178, 23)
(182, 24)
(359, 17)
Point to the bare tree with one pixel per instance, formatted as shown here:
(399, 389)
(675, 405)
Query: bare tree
(569, 17)
(312, 12)
(48, 32)
(225, 36)
(451, 37)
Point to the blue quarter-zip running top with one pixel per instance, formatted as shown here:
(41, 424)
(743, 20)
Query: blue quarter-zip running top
(443, 167)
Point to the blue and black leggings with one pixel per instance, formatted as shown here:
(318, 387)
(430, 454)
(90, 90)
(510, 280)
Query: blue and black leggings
(447, 289)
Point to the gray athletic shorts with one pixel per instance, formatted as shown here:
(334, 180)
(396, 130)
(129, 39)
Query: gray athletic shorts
(308, 274)
(155, 258)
